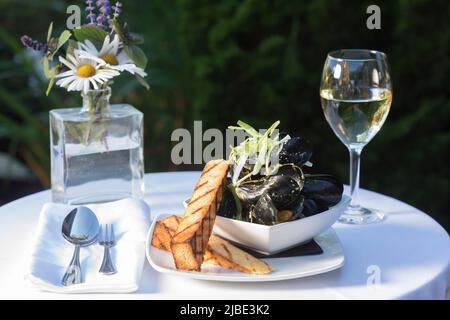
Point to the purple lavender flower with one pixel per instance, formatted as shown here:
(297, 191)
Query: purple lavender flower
(34, 44)
(105, 13)
(101, 19)
(92, 17)
(117, 9)
(104, 7)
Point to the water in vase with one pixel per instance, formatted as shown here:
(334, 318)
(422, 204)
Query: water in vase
(97, 157)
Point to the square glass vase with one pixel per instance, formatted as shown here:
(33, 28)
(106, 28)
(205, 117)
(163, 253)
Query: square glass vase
(96, 151)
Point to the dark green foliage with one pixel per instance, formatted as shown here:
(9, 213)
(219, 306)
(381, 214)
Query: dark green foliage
(260, 61)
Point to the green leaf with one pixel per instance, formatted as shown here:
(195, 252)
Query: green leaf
(49, 72)
(45, 67)
(63, 38)
(272, 127)
(118, 29)
(56, 44)
(71, 47)
(142, 81)
(247, 128)
(261, 160)
(50, 86)
(52, 45)
(49, 32)
(136, 55)
(93, 34)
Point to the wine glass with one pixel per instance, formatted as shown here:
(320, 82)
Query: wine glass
(356, 95)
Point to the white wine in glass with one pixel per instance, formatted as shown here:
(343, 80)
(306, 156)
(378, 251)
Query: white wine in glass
(356, 95)
(356, 121)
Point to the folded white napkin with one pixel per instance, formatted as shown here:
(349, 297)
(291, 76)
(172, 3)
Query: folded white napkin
(52, 254)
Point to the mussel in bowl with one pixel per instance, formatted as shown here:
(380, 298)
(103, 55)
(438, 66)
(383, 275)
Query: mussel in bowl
(296, 151)
(267, 192)
(324, 189)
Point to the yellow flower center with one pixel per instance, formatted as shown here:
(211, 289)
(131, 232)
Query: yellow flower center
(111, 59)
(86, 71)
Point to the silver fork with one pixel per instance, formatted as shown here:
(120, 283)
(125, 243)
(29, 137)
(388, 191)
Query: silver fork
(107, 240)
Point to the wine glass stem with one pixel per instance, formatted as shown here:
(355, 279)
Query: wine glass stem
(355, 156)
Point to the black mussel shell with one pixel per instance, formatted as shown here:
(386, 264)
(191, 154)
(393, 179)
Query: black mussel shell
(284, 188)
(310, 208)
(297, 151)
(324, 189)
(283, 191)
(227, 206)
(264, 211)
(293, 172)
(297, 208)
(250, 192)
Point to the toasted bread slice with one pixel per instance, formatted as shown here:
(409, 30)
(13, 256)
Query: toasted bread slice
(191, 238)
(164, 231)
(221, 252)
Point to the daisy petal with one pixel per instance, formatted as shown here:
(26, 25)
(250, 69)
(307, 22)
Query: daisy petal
(91, 48)
(65, 74)
(105, 47)
(73, 60)
(72, 86)
(94, 84)
(67, 63)
(115, 44)
(65, 82)
(140, 72)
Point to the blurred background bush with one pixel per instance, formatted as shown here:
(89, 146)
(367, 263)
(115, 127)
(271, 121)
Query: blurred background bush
(259, 61)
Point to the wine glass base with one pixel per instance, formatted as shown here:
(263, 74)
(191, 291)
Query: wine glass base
(360, 215)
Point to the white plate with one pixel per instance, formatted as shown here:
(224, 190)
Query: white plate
(283, 268)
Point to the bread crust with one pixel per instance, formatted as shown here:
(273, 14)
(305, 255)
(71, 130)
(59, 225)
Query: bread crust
(190, 240)
(164, 231)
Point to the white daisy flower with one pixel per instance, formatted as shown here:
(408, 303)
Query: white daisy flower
(112, 54)
(84, 72)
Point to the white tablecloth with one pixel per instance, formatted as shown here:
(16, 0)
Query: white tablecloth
(409, 253)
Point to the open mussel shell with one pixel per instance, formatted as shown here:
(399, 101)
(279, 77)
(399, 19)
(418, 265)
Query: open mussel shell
(293, 213)
(250, 192)
(293, 172)
(280, 198)
(325, 190)
(297, 151)
(264, 211)
(283, 191)
(297, 208)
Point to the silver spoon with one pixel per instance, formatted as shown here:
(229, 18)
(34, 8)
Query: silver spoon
(80, 228)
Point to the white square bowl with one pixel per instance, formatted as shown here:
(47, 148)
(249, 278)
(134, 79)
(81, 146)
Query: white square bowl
(273, 239)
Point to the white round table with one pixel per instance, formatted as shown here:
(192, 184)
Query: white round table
(409, 253)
